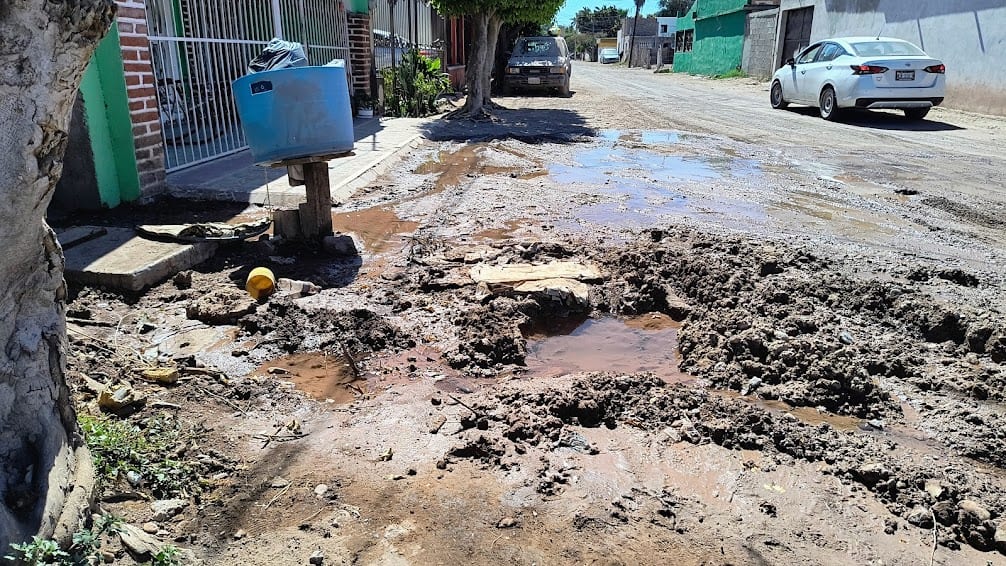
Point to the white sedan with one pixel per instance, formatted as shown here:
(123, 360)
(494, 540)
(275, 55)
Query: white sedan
(861, 72)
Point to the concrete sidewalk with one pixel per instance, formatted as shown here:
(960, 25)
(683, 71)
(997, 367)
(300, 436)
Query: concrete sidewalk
(236, 179)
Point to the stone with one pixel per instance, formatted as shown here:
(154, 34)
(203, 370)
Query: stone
(519, 272)
(845, 338)
(160, 375)
(437, 424)
(121, 259)
(183, 280)
(165, 509)
(279, 482)
(320, 490)
(872, 473)
(920, 517)
(150, 528)
(507, 523)
(317, 558)
(139, 543)
(559, 290)
(1000, 537)
(934, 488)
(975, 509)
(221, 306)
(946, 513)
(240, 534)
(340, 244)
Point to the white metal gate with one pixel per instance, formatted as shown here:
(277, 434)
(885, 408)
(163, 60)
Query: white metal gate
(198, 47)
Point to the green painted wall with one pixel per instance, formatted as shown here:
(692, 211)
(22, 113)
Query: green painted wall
(106, 108)
(719, 37)
(362, 6)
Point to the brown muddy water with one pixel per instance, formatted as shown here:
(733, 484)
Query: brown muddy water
(379, 228)
(321, 375)
(648, 343)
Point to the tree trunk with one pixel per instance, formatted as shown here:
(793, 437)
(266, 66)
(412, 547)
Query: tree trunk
(45, 471)
(492, 41)
(476, 66)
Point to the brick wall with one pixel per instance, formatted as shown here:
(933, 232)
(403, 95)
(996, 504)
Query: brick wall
(759, 44)
(361, 53)
(140, 88)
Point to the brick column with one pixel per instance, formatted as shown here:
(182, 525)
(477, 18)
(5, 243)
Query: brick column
(361, 53)
(141, 90)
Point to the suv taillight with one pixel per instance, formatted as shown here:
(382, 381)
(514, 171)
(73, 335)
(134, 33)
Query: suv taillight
(937, 69)
(868, 69)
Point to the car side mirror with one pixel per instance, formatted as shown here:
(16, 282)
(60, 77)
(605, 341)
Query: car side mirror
(791, 62)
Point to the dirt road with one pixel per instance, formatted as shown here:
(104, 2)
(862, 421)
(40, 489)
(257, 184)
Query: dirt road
(657, 322)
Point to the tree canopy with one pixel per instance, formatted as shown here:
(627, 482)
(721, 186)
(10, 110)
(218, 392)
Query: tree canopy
(604, 21)
(670, 8)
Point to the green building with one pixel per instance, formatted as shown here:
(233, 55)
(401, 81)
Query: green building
(710, 37)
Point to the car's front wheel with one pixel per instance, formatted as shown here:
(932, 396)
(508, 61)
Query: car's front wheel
(564, 89)
(828, 104)
(775, 96)
(916, 113)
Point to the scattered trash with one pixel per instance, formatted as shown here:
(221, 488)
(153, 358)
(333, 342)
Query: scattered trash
(205, 232)
(320, 490)
(261, 283)
(317, 558)
(386, 456)
(295, 289)
(119, 397)
(278, 54)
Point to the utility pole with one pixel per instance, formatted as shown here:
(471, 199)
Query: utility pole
(635, 24)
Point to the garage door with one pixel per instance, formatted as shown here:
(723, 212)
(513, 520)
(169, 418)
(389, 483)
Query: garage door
(797, 36)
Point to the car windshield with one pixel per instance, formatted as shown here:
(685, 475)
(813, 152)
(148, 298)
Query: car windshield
(884, 48)
(538, 48)
(608, 51)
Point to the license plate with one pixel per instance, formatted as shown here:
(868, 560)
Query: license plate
(904, 76)
(533, 81)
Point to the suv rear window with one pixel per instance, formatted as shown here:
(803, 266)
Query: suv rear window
(884, 48)
(545, 47)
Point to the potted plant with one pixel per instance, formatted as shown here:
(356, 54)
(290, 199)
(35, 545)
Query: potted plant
(364, 105)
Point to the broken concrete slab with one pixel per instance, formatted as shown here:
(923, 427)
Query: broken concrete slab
(121, 259)
(519, 272)
(567, 291)
(79, 234)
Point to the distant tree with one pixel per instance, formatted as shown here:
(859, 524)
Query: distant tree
(671, 8)
(604, 21)
(487, 18)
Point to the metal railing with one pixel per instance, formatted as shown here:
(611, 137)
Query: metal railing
(199, 47)
(400, 25)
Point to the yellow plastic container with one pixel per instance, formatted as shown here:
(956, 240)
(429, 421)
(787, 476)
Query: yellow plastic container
(261, 283)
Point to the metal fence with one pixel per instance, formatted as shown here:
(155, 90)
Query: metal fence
(400, 25)
(198, 47)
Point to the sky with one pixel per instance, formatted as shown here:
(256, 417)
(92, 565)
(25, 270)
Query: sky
(571, 7)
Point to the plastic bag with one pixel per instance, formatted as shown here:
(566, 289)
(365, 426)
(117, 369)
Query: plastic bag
(279, 54)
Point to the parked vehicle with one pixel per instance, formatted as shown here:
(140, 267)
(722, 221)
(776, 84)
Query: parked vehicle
(861, 72)
(539, 63)
(608, 55)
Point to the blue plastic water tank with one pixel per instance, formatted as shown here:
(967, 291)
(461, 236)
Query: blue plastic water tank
(297, 112)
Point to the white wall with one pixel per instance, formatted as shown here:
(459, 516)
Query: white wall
(969, 36)
(672, 26)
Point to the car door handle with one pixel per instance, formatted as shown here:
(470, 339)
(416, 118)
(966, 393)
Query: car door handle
(828, 67)
(803, 72)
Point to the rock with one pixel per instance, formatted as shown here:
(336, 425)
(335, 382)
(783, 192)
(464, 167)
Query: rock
(890, 526)
(752, 384)
(165, 509)
(387, 455)
(677, 308)
(872, 473)
(437, 423)
(845, 338)
(182, 280)
(277, 371)
(240, 534)
(107, 557)
(565, 291)
(934, 488)
(221, 306)
(1000, 537)
(920, 517)
(160, 375)
(975, 509)
(137, 542)
(279, 482)
(120, 398)
(320, 490)
(946, 513)
(317, 558)
(507, 523)
(150, 528)
(295, 289)
(442, 464)
(342, 244)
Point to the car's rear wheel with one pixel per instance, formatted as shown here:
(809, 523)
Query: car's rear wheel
(828, 104)
(916, 113)
(775, 96)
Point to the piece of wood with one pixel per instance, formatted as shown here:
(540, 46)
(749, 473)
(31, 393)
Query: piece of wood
(316, 216)
(309, 159)
(520, 272)
(286, 223)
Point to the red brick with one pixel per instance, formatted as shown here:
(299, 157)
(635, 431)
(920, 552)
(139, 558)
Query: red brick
(132, 80)
(138, 92)
(124, 12)
(144, 116)
(133, 41)
(147, 140)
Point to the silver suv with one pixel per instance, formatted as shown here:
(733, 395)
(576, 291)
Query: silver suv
(539, 63)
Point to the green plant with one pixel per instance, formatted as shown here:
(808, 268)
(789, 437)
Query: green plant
(364, 100)
(732, 74)
(413, 87)
(85, 549)
(168, 555)
(119, 448)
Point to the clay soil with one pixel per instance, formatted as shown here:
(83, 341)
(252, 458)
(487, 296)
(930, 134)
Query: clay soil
(794, 353)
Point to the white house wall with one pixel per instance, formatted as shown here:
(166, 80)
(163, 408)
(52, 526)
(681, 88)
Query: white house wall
(969, 36)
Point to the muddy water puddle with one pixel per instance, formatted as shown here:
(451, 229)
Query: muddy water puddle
(379, 227)
(320, 375)
(648, 343)
(478, 159)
